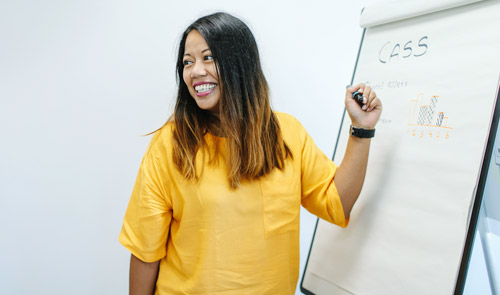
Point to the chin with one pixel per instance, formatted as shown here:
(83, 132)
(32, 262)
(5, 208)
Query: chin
(210, 107)
(210, 104)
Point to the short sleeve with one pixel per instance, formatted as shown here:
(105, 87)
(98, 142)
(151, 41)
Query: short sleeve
(149, 213)
(319, 193)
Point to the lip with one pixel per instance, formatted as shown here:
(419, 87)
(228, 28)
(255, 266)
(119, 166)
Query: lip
(206, 92)
(201, 83)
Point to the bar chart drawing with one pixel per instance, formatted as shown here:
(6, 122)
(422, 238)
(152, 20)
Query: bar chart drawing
(426, 119)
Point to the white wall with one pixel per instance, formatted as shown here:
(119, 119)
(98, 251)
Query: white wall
(80, 81)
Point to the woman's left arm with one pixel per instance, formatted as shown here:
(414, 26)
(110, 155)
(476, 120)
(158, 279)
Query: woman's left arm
(350, 175)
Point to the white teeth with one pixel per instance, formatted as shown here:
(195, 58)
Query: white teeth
(204, 87)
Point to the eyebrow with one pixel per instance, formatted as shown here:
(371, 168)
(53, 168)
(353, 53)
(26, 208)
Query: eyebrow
(203, 51)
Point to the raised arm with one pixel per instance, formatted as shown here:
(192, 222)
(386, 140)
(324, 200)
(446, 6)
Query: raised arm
(351, 172)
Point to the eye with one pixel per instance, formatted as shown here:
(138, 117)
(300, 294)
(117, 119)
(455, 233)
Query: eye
(209, 57)
(186, 62)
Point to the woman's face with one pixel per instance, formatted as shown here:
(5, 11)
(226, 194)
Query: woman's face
(200, 72)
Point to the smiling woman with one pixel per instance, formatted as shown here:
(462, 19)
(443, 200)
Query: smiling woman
(216, 205)
(219, 62)
(200, 73)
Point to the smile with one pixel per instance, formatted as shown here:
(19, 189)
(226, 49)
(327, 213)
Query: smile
(204, 89)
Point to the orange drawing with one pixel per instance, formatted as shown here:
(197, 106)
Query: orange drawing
(426, 114)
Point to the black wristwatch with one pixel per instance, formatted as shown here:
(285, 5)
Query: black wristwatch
(361, 133)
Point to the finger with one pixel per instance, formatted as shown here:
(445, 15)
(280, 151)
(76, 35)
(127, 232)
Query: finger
(359, 87)
(376, 103)
(356, 87)
(367, 90)
(350, 87)
(370, 99)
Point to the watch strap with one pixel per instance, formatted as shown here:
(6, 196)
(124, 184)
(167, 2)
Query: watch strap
(361, 132)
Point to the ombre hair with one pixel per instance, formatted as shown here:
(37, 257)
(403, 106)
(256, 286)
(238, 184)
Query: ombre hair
(254, 143)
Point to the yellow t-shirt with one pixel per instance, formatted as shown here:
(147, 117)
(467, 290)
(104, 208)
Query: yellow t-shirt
(215, 240)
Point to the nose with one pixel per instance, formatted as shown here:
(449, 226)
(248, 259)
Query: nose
(199, 70)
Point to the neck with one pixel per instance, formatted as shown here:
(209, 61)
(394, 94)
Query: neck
(214, 126)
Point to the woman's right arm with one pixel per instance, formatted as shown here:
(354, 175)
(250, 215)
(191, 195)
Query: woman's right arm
(143, 276)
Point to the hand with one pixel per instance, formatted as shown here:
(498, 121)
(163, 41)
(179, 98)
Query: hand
(366, 116)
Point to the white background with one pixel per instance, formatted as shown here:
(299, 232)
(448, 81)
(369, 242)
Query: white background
(80, 81)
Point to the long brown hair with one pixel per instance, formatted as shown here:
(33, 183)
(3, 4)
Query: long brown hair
(254, 142)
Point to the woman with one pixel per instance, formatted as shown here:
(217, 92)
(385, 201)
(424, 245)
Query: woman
(215, 208)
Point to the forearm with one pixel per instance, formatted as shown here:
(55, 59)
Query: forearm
(351, 172)
(143, 276)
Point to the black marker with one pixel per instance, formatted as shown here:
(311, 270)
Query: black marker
(358, 97)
